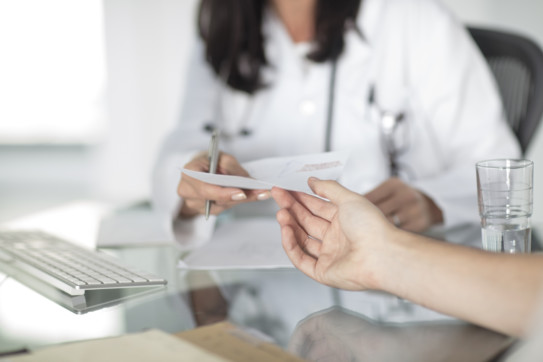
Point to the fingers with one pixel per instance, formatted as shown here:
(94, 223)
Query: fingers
(282, 197)
(388, 198)
(306, 242)
(301, 210)
(192, 188)
(195, 193)
(412, 219)
(420, 214)
(403, 205)
(321, 208)
(229, 165)
(259, 195)
(392, 197)
(384, 191)
(194, 200)
(301, 260)
(331, 190)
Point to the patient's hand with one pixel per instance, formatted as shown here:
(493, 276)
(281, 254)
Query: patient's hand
(405, 206)
(340, 243)
(195, 192)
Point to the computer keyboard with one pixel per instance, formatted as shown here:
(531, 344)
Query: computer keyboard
(66, 266)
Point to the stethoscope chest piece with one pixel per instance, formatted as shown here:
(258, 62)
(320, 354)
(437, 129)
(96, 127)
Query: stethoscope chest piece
(244, 132)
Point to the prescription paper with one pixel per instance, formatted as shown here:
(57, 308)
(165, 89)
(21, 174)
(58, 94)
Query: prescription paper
(253, 243)
(290, 173)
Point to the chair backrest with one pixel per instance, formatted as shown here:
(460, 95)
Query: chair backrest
(517, 64)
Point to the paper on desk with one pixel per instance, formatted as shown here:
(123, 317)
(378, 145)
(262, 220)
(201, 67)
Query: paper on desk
(134, 227)
(290, 173)
(253, 243)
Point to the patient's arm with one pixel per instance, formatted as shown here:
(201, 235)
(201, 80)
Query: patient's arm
(348, 243)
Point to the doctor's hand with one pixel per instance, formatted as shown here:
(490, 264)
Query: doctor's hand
(405, 206)
(195, 193)
(340, 243)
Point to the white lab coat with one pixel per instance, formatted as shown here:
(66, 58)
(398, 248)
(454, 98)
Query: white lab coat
(421, 62)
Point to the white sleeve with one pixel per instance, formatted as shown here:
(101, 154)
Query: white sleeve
(461, 105)
(181, 145)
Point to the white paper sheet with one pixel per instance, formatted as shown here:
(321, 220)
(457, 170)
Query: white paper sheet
(290, 173)
(241, 244)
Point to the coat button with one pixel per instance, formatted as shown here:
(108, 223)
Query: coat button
(307, 107)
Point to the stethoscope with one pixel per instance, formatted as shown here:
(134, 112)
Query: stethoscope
(388, 122)
(218, 113)
(394, 139)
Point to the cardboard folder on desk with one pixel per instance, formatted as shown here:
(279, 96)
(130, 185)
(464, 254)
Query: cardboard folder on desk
(222, 342)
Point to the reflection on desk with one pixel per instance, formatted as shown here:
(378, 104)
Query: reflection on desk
(337, 334)
(274, 302)
(91, 300)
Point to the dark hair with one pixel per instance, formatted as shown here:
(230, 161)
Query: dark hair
(231, 30)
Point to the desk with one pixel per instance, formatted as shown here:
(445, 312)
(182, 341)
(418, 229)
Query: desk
(299, 314)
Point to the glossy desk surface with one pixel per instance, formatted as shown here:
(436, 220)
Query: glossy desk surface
(309, 319)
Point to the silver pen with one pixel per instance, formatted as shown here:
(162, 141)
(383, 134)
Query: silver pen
(213, 155)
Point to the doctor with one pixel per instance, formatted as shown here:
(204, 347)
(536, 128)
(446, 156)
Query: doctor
(399, 83)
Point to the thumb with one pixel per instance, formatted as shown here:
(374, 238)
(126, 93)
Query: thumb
(330, 190)
(229, 165)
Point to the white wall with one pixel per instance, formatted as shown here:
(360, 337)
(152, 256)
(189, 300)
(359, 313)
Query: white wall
(147, 43)
(524, 17)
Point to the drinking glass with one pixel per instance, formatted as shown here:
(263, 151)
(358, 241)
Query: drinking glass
(504, 189)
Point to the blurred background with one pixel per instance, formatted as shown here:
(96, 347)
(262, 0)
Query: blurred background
(89, 88)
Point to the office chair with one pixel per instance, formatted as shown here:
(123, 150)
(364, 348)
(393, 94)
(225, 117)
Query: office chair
(517, 64)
